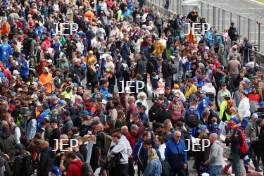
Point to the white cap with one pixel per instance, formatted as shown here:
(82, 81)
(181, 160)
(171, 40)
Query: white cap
(205, 174)
(49, 61)
(46, 69)
(15, 72)
(206, 47)
(255, 115)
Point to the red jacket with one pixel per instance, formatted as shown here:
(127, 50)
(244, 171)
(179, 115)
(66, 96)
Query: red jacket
(132, 140)
(75, 168)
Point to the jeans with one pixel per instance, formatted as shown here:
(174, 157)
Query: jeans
(215, 170)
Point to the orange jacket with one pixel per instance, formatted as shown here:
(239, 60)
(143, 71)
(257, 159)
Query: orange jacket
(46, 81)
(5, 28)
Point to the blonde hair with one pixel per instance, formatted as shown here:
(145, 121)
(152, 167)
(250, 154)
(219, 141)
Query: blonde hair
(152, 154)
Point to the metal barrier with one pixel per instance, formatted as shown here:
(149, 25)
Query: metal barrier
(257, 57)
(221, 19)
(216, 14)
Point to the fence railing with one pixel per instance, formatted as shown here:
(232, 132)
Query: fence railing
(220, 19)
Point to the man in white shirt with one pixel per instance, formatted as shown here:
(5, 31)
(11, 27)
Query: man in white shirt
(121, 145)
(244, 110)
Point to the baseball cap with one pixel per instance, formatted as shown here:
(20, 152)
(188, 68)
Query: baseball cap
(254, 115)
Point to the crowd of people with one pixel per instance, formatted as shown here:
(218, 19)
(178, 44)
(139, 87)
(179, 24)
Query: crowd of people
(112, 87)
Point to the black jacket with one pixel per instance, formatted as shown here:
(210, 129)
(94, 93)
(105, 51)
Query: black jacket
(45, 162)
(158, 113)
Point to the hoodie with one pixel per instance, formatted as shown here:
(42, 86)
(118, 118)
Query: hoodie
(75, 168)
(123, 146)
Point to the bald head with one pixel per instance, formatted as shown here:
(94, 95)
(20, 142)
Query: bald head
(124, 130)
(213, 137)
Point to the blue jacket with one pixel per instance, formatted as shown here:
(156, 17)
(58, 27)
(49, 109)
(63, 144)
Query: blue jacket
(42, 116)
(5, 52)
(175, 153)
(104, 92)
(154, 168)
(24, 69)
(202, 104)
(140, 154)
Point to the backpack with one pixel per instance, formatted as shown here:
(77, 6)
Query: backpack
(24, 164)
(244, 147)
(115, 161)
(28, 164)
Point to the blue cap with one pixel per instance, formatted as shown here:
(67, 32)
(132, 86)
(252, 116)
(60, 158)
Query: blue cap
(81, 33)
(200, 84)
(247, 80)
(202, 127)
(86, 113)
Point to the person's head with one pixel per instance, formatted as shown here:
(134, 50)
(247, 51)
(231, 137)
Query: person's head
(141, 108)
(99, 128)
(152, 154)
(131, 100)
(116, 135)
(206, 113)
(142, 96)
(124, 130)
(20, 148)
(105, 83)
(167, 125)
(70, 156)
(214, 120)
(232, 24)
(160, 100)
(177, 136)
(148, 144)
(134, 129)
(177, 96)
(213, 137)
(167, 90)
(254, 116)
(242, 94)
(5, 38)
(223, 86)
(147, 135)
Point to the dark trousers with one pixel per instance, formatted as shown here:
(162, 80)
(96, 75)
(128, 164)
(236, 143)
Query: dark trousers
(179, 173)
(131, 171)
(120, 170)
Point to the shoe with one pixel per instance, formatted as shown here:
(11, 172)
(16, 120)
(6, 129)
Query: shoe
(258, 170)
(248, 172)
